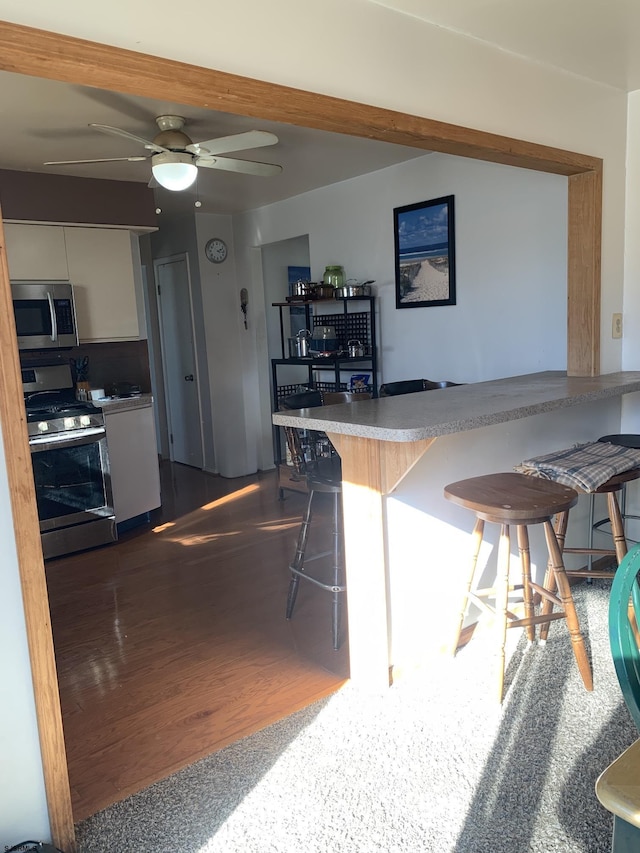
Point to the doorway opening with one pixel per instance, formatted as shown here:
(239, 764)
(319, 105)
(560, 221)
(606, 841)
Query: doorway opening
(183, 404)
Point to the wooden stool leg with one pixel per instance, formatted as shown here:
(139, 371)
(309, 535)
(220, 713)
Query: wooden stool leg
(560, 533)
(502, 600)
(525, 562)
(561, 522)
(564, 593)
(617, 526)
(476, 538)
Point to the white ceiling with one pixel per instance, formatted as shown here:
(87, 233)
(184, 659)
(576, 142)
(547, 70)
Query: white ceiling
(597, 39)
(46, 120)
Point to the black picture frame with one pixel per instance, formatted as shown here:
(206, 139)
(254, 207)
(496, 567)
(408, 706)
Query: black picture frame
(425, 257)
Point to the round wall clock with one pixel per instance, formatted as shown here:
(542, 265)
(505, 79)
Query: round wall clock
(216, 250)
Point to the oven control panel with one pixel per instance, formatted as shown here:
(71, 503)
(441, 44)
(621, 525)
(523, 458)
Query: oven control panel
(65, 423)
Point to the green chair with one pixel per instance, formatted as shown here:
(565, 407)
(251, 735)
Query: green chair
(624, 615)
(618, 786)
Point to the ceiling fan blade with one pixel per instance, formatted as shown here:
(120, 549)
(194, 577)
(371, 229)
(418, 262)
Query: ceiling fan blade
(116, 131)
(246, 167)
(101, 160)
(235, 142)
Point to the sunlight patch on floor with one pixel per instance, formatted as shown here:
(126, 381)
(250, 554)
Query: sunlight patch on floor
(234, 496)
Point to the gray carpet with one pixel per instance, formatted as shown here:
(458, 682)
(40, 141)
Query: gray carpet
(433, 765)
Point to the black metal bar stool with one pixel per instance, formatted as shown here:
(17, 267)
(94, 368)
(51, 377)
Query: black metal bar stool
(517, 499)
(316, 461)
(298, 568)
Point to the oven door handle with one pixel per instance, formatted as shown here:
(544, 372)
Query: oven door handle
(72, 438)
(54, 319)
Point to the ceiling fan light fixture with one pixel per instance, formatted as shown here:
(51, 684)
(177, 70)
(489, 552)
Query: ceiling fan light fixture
(173, 170)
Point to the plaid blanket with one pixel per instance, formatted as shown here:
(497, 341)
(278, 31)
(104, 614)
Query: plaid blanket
(584, 467)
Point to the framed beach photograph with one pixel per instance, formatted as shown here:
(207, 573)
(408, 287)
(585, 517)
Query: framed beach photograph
(425, 254)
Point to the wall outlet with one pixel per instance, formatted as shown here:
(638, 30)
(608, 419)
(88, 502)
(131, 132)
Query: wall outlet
(616, 326)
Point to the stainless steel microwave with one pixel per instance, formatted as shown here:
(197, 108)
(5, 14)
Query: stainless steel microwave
(45, 314)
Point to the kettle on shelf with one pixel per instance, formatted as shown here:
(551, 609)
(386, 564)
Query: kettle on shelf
(299, 344)
(355, 349)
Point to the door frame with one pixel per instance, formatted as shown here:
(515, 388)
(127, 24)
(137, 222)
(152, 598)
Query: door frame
(180, 256)
(39, 53)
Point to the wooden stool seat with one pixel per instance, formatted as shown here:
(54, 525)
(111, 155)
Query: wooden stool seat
(511, 498)
(613, 486)
(601, 467)
(516, 499)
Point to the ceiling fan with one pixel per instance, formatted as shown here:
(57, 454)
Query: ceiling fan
(175, 159)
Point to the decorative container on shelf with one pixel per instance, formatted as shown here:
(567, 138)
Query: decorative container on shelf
(334, 276)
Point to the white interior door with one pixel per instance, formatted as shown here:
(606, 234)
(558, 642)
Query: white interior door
(175, 313)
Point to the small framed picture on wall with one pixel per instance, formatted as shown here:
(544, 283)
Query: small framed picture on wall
(425, 254)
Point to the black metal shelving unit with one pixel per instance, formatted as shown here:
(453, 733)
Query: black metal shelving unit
(353, 318)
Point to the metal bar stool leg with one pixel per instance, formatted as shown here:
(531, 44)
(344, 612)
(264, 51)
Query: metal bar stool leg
(592, 504)
(338, 580)
(298, 560)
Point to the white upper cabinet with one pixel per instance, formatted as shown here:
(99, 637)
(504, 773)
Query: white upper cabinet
(36, 252)
(101, 270)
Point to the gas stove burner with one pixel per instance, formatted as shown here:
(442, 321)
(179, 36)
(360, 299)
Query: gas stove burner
(59, 410)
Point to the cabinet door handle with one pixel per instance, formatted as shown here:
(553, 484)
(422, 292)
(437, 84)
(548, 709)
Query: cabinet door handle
(188, 377)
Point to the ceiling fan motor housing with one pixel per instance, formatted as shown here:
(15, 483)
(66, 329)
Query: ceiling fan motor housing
(171, 135)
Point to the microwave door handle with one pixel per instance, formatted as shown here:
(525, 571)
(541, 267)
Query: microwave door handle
(54, 321)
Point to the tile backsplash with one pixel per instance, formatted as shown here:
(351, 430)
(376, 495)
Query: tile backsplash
(107, 364)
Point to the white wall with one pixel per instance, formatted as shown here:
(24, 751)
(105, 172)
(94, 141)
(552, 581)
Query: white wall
(224, 337)
(23, 812)
(631, 307)
(175, 236)
(381, 58)
(511, 260)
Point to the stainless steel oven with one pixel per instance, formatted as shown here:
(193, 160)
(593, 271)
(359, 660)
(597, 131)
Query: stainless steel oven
(70, 460)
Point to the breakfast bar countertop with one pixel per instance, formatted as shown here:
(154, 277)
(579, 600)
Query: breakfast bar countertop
(427, 414)
(124, 404)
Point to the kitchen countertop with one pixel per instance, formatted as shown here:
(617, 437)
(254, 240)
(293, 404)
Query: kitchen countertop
(412, 417)
(124, 404)
(379, 442)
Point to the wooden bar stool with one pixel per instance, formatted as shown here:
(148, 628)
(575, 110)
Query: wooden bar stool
(630, 440)
(601, 467)
(611, 489)
(517, 499)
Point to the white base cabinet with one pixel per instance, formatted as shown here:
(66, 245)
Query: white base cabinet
(133, 458)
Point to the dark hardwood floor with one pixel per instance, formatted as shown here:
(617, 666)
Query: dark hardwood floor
(172, 643)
